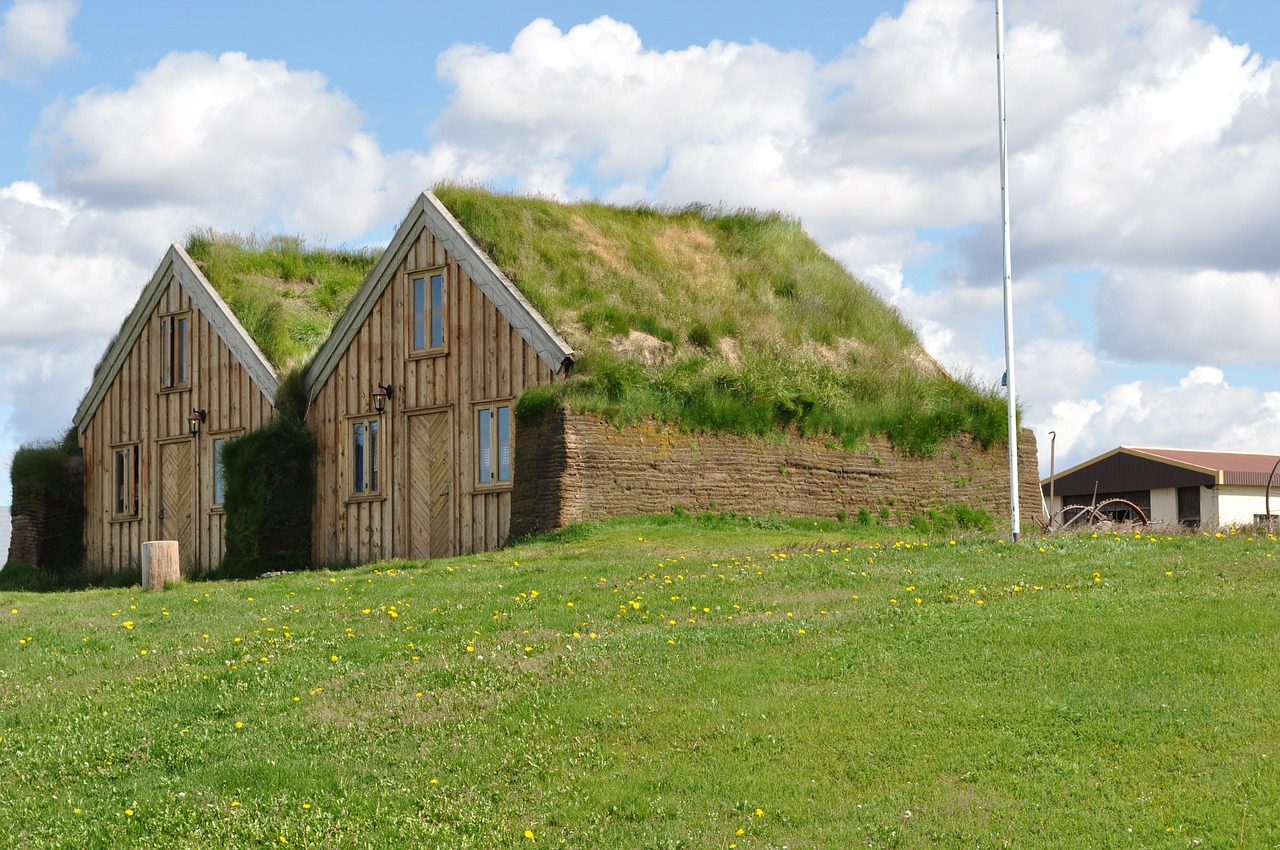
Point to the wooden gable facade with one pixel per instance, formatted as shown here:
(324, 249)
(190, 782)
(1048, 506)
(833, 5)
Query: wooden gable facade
(146, 476)
(445, 343)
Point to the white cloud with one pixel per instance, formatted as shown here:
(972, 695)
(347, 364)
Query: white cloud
(234, 142)
(595, 95)
(33, 36)
(1201, 410)
(1174, 317)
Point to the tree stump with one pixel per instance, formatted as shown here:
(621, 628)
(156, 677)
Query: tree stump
(160, 564)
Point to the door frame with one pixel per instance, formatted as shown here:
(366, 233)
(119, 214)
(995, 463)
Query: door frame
(403, 491)
(188, 557)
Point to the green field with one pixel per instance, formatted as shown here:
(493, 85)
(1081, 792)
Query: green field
(661, 683)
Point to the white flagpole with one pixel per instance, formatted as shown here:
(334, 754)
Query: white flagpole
(1008, 278)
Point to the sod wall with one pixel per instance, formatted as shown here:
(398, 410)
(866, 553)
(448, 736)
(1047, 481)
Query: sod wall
(573, 467)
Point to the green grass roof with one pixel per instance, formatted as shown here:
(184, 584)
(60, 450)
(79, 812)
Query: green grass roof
(287, 294)
(732, 321)
(722, 320)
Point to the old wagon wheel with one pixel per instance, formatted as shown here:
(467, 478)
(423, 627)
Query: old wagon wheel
(1121, 510)
(1103, 513)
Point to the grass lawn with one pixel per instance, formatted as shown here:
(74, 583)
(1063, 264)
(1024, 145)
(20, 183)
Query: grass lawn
(659, 683)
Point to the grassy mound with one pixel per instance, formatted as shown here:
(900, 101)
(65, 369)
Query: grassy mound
(286, 293)
(727, 321)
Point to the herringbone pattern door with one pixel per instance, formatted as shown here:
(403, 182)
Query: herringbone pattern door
(429, 486)
(177, 493)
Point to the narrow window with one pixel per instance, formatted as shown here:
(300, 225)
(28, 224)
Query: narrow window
(365, 465)
(180, 344)
(504, 443)
(175, 351)
(428, 312)
(358, 458)
(484, 440)
(419, 314)
(437, 310)
(126, 481)
(493, 445)
(219, 472)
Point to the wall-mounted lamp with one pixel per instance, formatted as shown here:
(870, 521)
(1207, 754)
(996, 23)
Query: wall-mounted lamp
(380, 397)
(195, 420)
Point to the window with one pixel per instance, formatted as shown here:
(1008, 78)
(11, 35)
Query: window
(428, 311)
(219, 471)
(493, 444)
(125, 478)
(175, 351)
(364, 437)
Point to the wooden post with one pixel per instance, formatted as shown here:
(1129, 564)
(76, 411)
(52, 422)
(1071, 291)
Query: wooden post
(160, 564)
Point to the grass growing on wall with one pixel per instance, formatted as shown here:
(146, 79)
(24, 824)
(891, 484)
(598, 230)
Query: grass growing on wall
(748, 325)
(48, 488)
(287, 294)
(270, 477)
(709, 682)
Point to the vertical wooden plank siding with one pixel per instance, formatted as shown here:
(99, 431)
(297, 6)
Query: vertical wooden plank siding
(137, 410)
(484, 360)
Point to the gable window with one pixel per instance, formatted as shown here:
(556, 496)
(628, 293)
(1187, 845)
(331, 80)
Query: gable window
(175, 350)
(428, 311)
(364, 454)
(493, 445)
(125, 480)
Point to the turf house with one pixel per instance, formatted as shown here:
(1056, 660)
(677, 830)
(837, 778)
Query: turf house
(509, 365)
(181, 378)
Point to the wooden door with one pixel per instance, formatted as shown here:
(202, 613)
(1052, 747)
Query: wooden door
(177, 499)
(429, 486)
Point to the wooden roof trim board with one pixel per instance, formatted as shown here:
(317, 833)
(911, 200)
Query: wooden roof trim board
(215, 311)
(428, 212)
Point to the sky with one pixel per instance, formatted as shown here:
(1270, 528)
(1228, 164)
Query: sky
(1144, 168)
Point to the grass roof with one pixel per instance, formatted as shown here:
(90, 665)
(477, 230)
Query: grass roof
(286, 293)
(725, 320)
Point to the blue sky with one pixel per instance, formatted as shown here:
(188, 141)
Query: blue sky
(1145, 164)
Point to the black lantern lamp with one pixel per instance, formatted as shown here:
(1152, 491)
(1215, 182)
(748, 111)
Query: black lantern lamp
(195, 420)
(380, 397)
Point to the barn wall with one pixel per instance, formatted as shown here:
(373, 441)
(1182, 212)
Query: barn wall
(485, 359)
(137, 409)
(1238, 505)
(576, 467)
